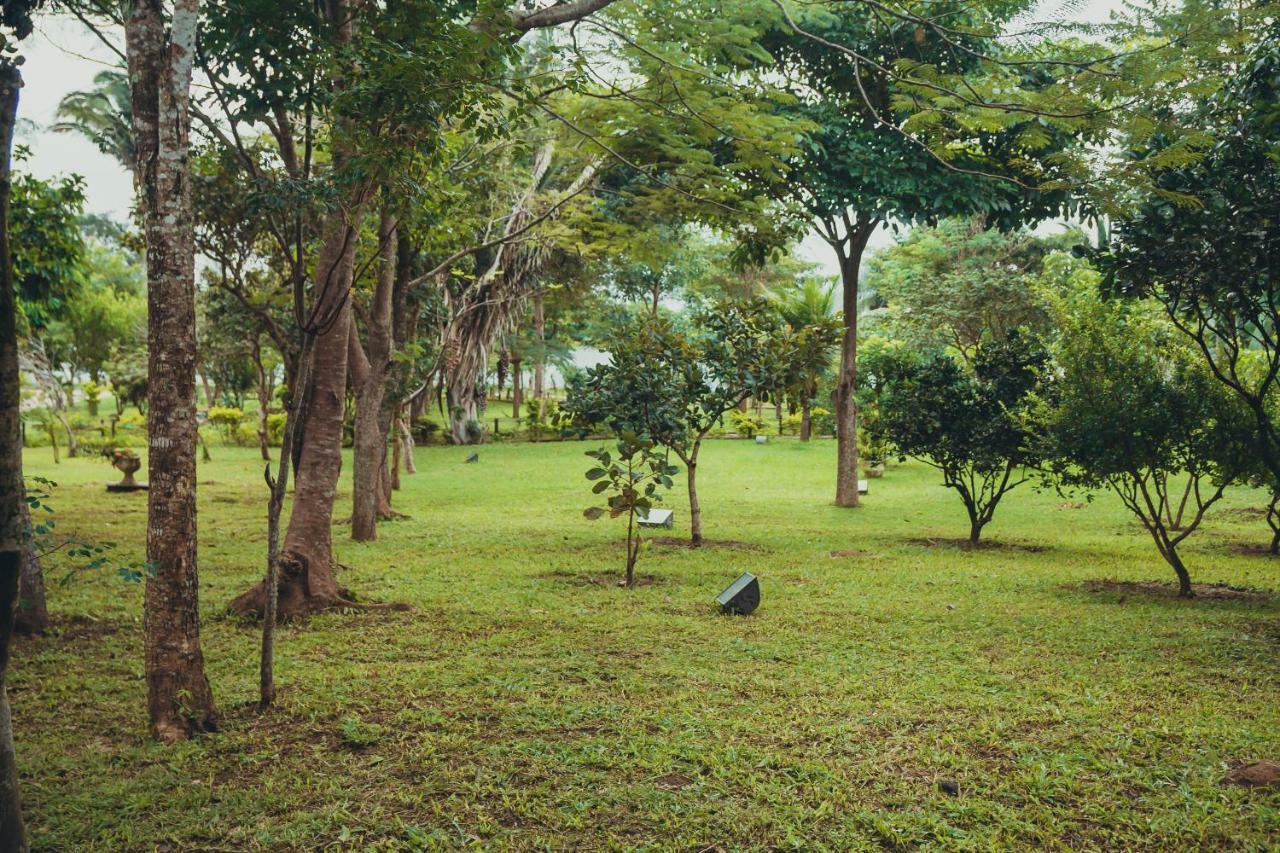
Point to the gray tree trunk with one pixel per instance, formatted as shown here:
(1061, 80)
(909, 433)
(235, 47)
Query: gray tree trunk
(179, 699)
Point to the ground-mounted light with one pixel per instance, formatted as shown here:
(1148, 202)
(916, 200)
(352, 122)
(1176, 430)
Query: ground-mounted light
(658, 518)
(742, 596)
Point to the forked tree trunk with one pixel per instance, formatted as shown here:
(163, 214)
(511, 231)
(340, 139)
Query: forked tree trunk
(33, 610)
(179, 699)
(13, 834)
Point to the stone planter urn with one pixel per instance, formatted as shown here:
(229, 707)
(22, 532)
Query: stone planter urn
(873, 468)
(126, 462)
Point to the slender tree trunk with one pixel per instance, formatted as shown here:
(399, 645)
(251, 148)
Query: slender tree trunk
(1273, 521)
(406, 437)
(179, 699)
(208, 391)
(13, 835)
(633, 550)
(1172, 557)
(264, 399)
(394, 481)
(695, 508)
(517, 386)
(847, 381)
(540, 362)
(370, 373)
(975, 531)
(806, 421)
(279, 487)
(33, 611)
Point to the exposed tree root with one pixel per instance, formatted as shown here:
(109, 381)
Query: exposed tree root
(303, 593)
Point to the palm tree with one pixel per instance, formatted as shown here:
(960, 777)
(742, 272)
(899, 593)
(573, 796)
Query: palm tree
(809, 308)
(102, 115)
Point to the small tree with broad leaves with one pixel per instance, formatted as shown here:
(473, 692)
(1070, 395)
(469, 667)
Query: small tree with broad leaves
(673, 385)
(632, 480)
(976, 427)
(1139, 412)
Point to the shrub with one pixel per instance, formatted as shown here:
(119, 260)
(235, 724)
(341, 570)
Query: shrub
(745, 424)
(822, 421)
(1140, 412)
(276, 422)
(227, 419)
(974, 427)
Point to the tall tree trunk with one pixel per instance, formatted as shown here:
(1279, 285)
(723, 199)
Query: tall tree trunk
(179, 699)
(369, 373)
(850, 252)
(13, 835)
(369, 460)
(307, 582)
(33, 610)
(540, 362)
(806, 421)
(264, 399)
(517, 386)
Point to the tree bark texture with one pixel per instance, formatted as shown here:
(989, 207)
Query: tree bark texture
(847, 381)
(370, 369)
(13, 836)
(179, 699)
(33, 610)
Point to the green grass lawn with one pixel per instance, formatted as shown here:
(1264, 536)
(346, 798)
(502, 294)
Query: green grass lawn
(528, 702)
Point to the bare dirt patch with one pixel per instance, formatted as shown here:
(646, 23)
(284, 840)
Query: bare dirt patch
(1072, 505)
(673, 781)
(1256, 774)
(727, 544)
(1161, 589)
(851, 552)
(984, 545)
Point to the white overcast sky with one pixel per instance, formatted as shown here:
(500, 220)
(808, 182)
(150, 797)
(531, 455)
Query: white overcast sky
(63, 57)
